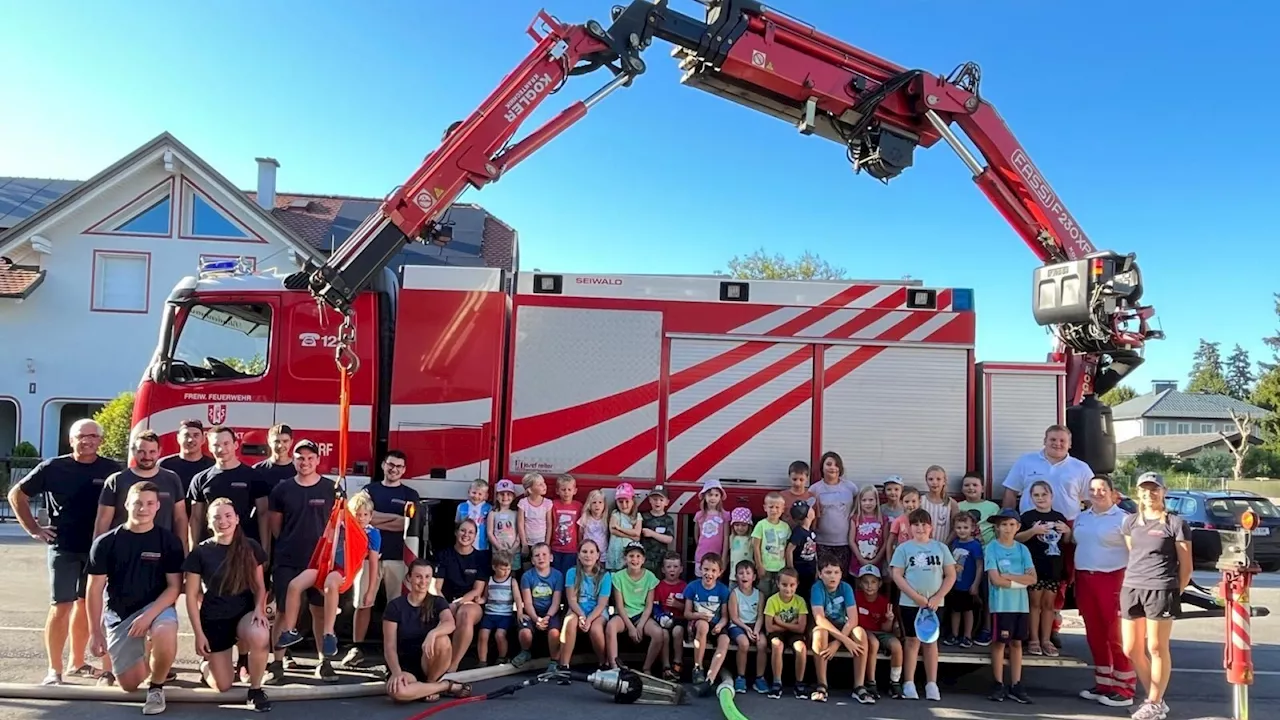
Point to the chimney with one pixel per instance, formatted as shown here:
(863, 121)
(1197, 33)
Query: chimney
(1162, 385)
(267, 182)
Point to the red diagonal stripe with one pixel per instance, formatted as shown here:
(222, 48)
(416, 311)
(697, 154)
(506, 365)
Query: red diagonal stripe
(912, 321)
(545, 427)
(702, 463)
(620, 457)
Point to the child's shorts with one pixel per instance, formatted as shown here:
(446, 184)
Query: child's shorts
(1047, 585)
(1010, 626)
(961, 601)
(907, 613)
(789, 639)
(497, 622)
(666, 620)
(736, 632)
(884, 638)
(564, 561)
(553, 623)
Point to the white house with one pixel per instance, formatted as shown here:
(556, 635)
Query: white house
(85, 268)
(1166, 411)
(83, 280)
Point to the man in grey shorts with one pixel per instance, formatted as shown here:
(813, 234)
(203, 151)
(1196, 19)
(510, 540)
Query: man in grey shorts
(139, 566)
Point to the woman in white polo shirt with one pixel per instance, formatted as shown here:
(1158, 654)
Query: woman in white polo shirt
(1101, 558)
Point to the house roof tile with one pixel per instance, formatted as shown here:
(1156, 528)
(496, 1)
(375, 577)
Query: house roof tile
(19, 281)
(1175, 444)
(1176, 404)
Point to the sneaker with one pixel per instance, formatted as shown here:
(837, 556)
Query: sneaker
(761, 686)
(257, 700)
(950, 641)
(739, 685)
(329, 646)
(895, 690)
(998, 693)
(353, 658)
(553, 667)
(983, 639)
(802, 691)
(275, 673)
(519, 660)
(1017, 693)
(931, 692)
(861, 695)
(966, 643)
(874, 691)
(1094, 693)
(53, 677)
(1151, 711)
(1115, 699)
(699, 675)
(775, 690)
(154, 704)
(909, 691)
(288, 638)
(325, 673)
(290, 663)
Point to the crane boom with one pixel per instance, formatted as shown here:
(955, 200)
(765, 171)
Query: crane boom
(770, 62)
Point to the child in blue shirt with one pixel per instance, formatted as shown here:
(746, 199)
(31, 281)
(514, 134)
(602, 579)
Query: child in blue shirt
(966, 596)
(705, 605)
(1010, 571)
(540, 588)
(835, 625)
(477, 508)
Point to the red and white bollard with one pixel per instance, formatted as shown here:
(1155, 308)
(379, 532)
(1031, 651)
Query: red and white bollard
(1238, 651)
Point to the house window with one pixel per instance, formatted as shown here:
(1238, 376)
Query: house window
(1159, 428)
(204, 219)
(152, 221)
(148, 215)
(1206, 427)
(1184, 428)
(121, 282)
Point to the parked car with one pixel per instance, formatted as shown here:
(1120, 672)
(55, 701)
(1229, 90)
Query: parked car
(1208, 512)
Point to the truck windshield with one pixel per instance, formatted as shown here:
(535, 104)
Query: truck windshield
(221, 342)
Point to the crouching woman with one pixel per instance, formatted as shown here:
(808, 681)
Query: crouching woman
(227, 603)
(417, 646)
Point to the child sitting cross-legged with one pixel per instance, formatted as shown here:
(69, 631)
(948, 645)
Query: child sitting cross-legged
(704, 611)
(835, 625)
(365, 588)
(540, 590)
(747, 626)
(786, 619)
(633, 597)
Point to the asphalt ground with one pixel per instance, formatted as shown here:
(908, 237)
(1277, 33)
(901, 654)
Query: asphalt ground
(1198, 689)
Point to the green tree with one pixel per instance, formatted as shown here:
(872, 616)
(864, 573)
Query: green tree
(762, 266)
(1273, 342)
(1214, 463)
(255, 365)
(1150, 459)
(116, 419)
(1206, 371)
(1118, 394)
(1266, 394)
(1239, 373)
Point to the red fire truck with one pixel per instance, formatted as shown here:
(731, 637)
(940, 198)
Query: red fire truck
(661, 380)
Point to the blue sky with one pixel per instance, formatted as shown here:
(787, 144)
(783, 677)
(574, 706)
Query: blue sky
(1153, 122)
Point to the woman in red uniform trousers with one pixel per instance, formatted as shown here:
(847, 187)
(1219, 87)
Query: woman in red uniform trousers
(1101, 558)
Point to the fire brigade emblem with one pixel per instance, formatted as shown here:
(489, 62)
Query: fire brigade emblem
(217, 414)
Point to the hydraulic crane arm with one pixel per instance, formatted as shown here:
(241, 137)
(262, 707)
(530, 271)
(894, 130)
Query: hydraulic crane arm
(760, 58)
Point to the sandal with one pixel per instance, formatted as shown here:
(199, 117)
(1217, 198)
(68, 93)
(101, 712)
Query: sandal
(670, 675)
(819, 694)
(458, 690)
(86, 671)
(1049, 649)
(106, 679)
(1033, 648)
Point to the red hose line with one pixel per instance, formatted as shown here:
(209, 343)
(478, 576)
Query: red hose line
(445, 706)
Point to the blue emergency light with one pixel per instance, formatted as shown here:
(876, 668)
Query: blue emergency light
(961, 300)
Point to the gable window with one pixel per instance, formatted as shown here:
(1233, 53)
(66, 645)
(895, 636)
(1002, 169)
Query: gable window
(1160, 428)
(1206, 427)
(121, 282)
(205, 219)
(1184, 428)
(148, 215)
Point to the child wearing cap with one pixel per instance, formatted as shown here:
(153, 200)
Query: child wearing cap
(924, 570)
(657, 531)
(504, 535)
(769, 542)
(875, 616)
(1010, 571)
(633, 597)
(565, 512)
(798, 491)
(892, 507)
(740, 547)
(711, 522)
(624, 527)
(802, 546)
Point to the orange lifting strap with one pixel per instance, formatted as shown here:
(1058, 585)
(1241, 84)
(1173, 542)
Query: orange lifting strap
(342, 526)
